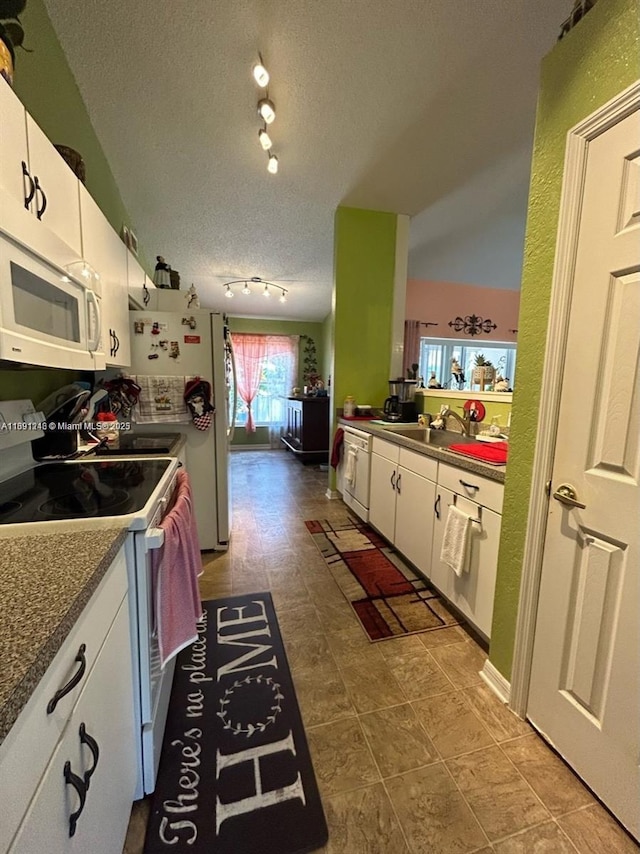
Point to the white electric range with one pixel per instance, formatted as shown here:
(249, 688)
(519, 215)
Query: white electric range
(89, 493)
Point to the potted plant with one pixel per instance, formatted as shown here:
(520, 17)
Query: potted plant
(11, 35)
(483, 373)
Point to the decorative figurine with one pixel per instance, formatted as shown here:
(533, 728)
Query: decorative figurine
(193, 300)
(457, 372)
(162, 273)
(433, 382)
(502, 383)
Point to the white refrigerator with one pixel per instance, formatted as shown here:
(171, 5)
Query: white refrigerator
(203, 346)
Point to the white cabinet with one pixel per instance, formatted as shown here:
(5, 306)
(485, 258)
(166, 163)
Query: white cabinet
(401, 499)
(409, 501)
(473, 592)
(105, 252)
(93, 719)
(34, 175)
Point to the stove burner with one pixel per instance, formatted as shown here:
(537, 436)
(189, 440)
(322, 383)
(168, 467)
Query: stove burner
(9, 507)
(69, 505)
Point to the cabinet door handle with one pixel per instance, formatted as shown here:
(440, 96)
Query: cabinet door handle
(43, 208)
(92, 744)
(32, 186)
(117, 343)
(393, 480)
(436, 507)
(112, 343)
(72, 779)
(71, 684)
(469, 485)
(398, 483)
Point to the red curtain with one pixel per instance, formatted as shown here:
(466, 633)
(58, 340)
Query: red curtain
(250, 352)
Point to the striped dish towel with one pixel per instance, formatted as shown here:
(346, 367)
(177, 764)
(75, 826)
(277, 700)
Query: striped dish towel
(161, 400)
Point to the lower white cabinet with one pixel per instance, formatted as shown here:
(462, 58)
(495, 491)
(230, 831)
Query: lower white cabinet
(81, 713)
(401, 500)
(84, 799)
(409, 501)
(473, 592)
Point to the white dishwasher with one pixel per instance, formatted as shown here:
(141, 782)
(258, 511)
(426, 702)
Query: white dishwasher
(356, 467)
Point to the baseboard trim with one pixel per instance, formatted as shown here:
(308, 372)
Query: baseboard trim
(496, 681)
(252, 448)
(332, 494)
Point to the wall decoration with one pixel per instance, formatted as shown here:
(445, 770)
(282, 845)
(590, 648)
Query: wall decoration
(472, 324)
(310, 360)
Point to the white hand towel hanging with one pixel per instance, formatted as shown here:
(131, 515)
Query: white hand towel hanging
(350, 468)
(456, 541)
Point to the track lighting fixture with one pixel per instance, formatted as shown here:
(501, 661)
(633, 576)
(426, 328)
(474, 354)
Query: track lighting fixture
(247, 290)
(265, 139)
(272, 164)
(267, 110)
(260, 74)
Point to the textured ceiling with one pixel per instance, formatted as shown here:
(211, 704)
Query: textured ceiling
(424, 107)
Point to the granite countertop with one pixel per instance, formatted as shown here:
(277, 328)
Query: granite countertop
(487, 470)
(46, 580)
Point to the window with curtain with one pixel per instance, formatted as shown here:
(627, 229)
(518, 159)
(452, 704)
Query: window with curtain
(267, 369)
(436, 355)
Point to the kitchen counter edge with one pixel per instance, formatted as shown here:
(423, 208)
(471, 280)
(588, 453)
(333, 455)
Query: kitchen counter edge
(18, 557)
(496, 473)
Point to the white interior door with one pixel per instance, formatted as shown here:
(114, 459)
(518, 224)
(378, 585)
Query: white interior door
(584, 690)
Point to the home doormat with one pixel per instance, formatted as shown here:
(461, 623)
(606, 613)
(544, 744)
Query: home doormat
(388, 597)
(235, 774)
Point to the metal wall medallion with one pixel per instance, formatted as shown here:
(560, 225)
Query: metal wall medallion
(472, 324)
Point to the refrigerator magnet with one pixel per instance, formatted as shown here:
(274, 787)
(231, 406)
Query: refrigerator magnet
(174, 351)
(191, 339)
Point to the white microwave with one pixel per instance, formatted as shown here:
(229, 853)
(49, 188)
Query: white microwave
(48, 316)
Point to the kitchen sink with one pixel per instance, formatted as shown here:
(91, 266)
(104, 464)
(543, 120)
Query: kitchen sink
(438, 438)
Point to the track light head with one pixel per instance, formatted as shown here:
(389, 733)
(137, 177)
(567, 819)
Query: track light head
(272, 165)
(267, 110)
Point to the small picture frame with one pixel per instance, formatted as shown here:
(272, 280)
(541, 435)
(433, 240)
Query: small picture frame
(130, 240)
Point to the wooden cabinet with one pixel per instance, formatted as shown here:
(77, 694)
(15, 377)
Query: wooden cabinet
(307, 430)
(91, 728)
(105, 252)
(34, 175)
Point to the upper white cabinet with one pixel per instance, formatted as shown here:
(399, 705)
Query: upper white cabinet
(103, 250)
(34, 175)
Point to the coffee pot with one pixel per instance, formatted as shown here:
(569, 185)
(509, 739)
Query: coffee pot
(392, 408)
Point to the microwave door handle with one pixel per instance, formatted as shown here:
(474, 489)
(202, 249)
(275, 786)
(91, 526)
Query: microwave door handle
(94, 343)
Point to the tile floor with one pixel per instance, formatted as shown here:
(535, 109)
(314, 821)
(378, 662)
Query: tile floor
(412, 752)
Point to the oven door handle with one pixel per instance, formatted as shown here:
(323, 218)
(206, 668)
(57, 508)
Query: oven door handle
(154, 537)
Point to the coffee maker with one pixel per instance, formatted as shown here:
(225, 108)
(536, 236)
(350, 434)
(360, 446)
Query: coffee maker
(400, 405)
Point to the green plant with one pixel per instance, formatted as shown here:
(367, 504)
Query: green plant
(481, 362)
(309, 360)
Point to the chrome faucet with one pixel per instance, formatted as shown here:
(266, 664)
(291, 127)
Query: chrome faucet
(465, 421)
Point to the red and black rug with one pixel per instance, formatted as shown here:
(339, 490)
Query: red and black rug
(389, 598)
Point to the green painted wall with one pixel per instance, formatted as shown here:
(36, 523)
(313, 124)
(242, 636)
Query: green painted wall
(278, 327)
(45, 85)
(595, 61)
(327, 348)
(364, 269)
(35, 384)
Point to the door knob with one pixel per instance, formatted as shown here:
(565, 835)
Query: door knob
(566, 494)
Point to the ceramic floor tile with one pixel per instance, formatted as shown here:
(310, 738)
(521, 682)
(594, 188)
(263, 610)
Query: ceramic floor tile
(341, 757)
(363, 822)
(593, 831)
(461, 663)
(543, 839)
(297, 622)
(134, 842)
(397, 740)
(308, 652)
(418, 674)
(443, 637)
(371, 685)
(335, 616)
(351, 648)
(501, 722)
(322, 695)
(432, 812)
(499, 796)
(557, 787)
(451, 724)
(289, 597)
(401, 645)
